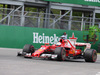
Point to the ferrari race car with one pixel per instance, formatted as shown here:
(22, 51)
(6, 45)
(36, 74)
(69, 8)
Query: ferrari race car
(65, 48)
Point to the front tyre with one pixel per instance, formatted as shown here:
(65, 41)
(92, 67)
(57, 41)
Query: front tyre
(61, 53)
(28, 48)
(90, 55)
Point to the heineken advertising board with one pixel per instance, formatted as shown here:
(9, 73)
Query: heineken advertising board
(79, 2)
(45, 38)
(17, 37)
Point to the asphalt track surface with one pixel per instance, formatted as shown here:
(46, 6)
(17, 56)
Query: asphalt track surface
(10, 64)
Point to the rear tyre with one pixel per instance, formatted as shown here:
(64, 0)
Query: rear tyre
(28, 48)
(61, 53)
(90, 55)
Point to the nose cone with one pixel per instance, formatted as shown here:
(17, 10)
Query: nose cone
(35, 54)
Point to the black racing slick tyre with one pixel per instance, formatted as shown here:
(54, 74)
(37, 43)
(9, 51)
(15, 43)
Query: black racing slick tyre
(90, 55)
(61, 53)
(28, 48)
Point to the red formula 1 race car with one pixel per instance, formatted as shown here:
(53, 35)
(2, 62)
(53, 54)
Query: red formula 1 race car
(65, 48)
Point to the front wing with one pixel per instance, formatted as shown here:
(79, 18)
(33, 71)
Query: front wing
(28, 55)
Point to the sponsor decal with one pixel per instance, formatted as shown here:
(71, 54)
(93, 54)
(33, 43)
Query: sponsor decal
(37, 38)
(53, 56)
(98, 1)
(40, 50)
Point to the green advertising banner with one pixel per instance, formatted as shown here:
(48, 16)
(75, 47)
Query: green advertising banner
(17, 37)
(79, 2)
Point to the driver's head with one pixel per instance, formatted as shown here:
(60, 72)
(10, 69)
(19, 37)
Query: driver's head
(64, 33)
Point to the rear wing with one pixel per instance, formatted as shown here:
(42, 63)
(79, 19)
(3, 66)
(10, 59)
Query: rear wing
(87, 45)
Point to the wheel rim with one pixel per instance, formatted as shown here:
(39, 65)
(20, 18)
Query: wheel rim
(63, 54)
(94, 57)
(32, 49)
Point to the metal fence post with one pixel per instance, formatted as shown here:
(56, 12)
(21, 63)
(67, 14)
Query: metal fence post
(82, 21)
(22, 16)
(70, 21)
(93, 22)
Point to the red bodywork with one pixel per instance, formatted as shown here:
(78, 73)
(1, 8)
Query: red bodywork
(69, 47)
(65, 48)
